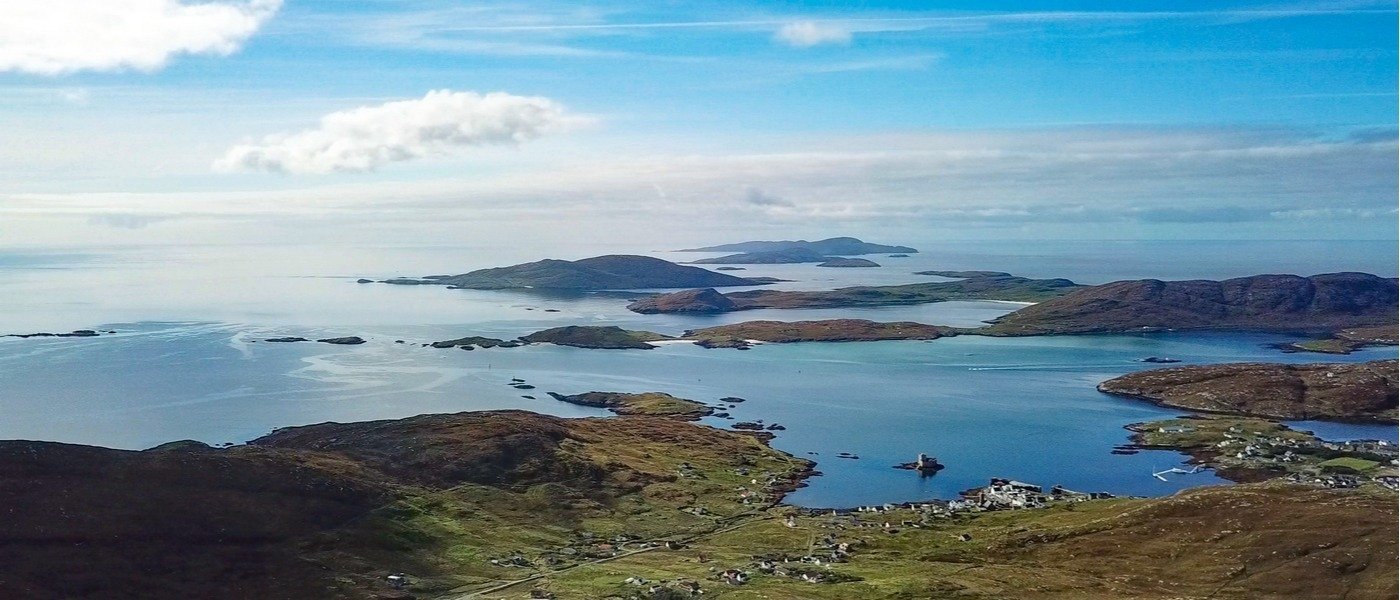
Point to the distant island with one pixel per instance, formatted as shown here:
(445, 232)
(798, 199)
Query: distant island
(611, 272)
(1351, 392)
(837, 246)
(766, 257)
(849, 262)
(1275, 303)
(1000, 287)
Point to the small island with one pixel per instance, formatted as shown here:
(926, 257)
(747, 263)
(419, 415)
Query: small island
(604, 337)
(1345, 392)
(656, 404)
(740, 335)
(849, 262)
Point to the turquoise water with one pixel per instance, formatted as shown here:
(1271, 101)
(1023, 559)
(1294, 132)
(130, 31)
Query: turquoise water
(186, 362)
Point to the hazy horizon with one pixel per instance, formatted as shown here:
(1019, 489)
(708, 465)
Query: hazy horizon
(418, 122)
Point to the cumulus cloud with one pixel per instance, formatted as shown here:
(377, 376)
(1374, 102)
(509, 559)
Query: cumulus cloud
(368, 137)
(54, 37)
(805, 34)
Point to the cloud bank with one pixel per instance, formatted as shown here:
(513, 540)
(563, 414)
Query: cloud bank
(805, 34)
(366, 138)
(55, 37)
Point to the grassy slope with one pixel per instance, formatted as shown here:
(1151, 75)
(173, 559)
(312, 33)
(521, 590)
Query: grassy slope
(1257, 541)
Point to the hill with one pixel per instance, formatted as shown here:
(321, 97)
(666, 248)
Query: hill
(1358, 392)
(612, 272)
(328, 511)
(837, 246)
(1281, 303)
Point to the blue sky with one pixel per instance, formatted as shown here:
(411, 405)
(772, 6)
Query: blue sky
(965, 119)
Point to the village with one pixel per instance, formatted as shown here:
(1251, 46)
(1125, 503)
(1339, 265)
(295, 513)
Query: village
(834, 536)
(1266, 449)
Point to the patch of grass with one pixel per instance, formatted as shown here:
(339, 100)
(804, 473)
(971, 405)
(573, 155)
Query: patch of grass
(1348, 464)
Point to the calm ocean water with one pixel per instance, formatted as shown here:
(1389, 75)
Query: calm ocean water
(185, 363)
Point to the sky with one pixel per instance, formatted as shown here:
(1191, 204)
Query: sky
(398, 121)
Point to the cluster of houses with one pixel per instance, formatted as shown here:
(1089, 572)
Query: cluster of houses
(998, 494)
(1303, 458)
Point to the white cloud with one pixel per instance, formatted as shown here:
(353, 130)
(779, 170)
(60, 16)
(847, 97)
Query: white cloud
(54, 37)
(805, 34)
(365, 138)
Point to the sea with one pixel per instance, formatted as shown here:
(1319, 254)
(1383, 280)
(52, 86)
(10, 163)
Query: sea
(188, 358)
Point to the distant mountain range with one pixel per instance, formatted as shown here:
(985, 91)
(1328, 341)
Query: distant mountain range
(611, 272)
(837, 246)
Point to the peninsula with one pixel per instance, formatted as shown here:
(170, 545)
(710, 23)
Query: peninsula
(1246, 450)
(1274, 303)
(611, 272)
(837, 246)
(1347, 341)
(1348, 392)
